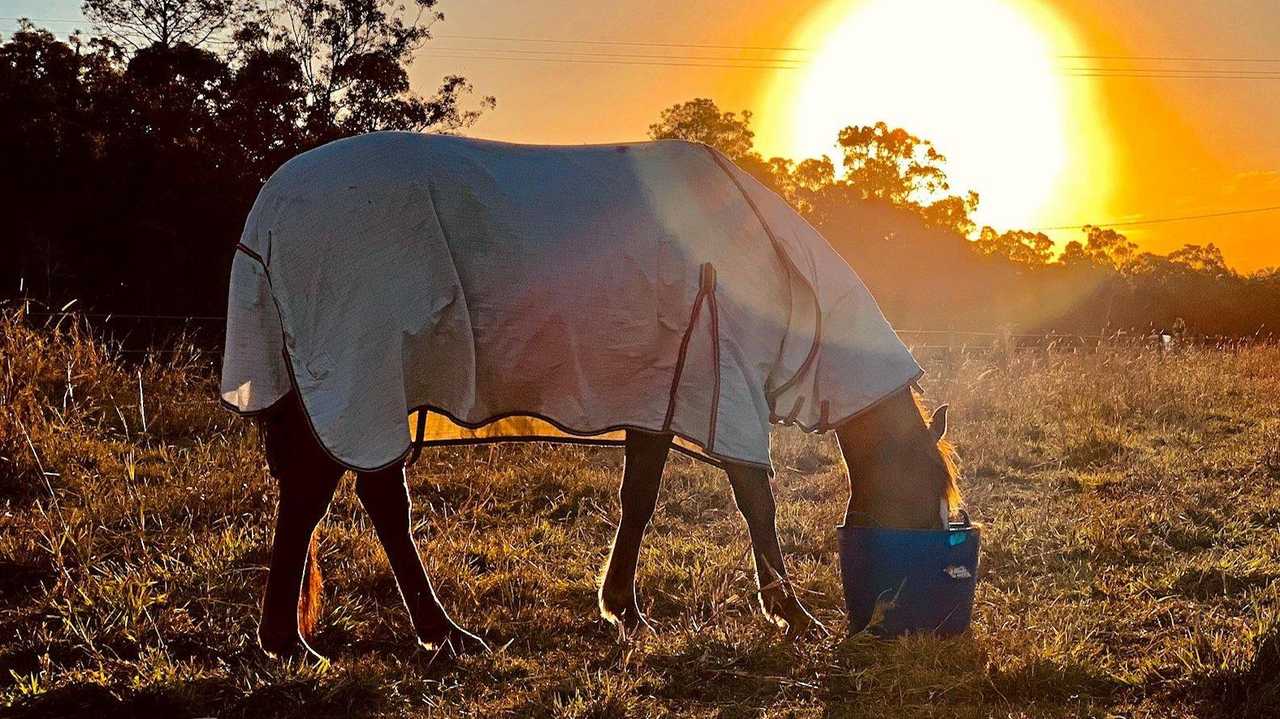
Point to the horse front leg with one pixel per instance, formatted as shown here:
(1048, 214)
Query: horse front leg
(754, 497)
(385, 496)
(646, 455)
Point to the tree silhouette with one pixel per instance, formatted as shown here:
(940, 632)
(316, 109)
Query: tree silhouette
(1106, 247)
(352, 57)
(1023, 248)
(1205, 259)
(891, 164)
(701, 120)
(893, 217)
(128, 173)
(140, 23)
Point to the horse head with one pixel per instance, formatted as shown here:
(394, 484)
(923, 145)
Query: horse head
(902, 470)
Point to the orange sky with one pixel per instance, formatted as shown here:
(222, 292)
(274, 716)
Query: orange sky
(1176, 148)
(1135, 148)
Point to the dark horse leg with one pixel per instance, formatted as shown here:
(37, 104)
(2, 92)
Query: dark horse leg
(646, 455)
(307, 478)
(385, 496)
(754, 497)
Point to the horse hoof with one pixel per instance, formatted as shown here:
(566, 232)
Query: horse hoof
(629, 621)
(788, 612)
(806, 627)
(284, 647)
(626, 616)
(453, 641)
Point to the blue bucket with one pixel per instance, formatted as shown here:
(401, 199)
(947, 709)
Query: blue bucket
(922, 580)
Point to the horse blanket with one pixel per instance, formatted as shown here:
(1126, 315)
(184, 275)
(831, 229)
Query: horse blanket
(420, 289)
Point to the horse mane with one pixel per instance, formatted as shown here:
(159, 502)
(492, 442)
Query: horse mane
(950, 490)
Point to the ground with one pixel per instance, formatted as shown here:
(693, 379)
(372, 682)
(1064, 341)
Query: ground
(1130, 544)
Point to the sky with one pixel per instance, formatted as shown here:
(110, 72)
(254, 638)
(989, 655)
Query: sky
(1172, 112)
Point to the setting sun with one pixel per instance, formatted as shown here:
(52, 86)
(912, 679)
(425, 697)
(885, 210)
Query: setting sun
(980, 79)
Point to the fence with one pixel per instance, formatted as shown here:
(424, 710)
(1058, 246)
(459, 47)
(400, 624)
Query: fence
(164, 332)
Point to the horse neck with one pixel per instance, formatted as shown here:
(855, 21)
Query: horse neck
(896, 471)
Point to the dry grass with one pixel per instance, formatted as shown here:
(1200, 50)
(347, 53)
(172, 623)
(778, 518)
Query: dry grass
(1130, 558)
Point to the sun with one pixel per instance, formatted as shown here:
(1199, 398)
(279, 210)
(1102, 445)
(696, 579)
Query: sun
(981, 79)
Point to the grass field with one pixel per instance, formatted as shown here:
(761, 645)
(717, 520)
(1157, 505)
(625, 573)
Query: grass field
(1131, 502)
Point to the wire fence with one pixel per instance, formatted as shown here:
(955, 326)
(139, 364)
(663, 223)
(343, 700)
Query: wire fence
(186, 333)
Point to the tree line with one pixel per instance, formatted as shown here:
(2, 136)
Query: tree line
(129, 160)
(891, 212)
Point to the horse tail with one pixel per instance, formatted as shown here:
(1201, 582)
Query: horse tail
(311, 600)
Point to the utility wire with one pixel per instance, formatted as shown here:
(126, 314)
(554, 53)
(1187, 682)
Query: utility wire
(781, 63)
(627, 43)
(1160, 220)
(1170, 58)
(585, 61)
(747, 63)
(750, 48)
(592, 54)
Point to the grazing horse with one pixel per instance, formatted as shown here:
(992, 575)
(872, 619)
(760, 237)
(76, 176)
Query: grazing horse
(651, 296)
(900, 468)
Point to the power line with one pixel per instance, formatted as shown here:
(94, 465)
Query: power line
(567, 60)
(1160, 220)
(1176, 70)
(509, 55)
(564, 41)
(781, 63)
(751, 48)
(1163, 74)
(1170, 58)
(627, 43)
(592, 54)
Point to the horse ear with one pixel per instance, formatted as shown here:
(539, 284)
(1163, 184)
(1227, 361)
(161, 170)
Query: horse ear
(938, 423)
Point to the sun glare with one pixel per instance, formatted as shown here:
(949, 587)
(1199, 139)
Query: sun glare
(978, 78)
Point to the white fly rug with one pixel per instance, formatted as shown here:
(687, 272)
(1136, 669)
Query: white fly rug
(423, 289)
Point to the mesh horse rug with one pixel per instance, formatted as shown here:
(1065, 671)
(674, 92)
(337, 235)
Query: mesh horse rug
(421, 289)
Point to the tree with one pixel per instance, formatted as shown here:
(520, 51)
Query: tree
(953, 212)
(48, 141)
(128, 173)
(1204, 259)
(139, 23)
(701, 120)
(352, 55)
(1023, 248)
(891, 164)
(1107, 248)
(808, 185)
(266, 100)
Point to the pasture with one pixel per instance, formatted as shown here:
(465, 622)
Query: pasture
(1131, 504)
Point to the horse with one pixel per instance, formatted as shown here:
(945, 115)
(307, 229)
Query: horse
(652, 296)
(901, 473)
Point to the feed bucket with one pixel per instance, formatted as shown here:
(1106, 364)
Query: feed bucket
(909, 580)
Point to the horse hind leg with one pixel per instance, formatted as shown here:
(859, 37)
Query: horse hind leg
(754, 497)
(646, 456)
(385, 496)
(307, 479)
